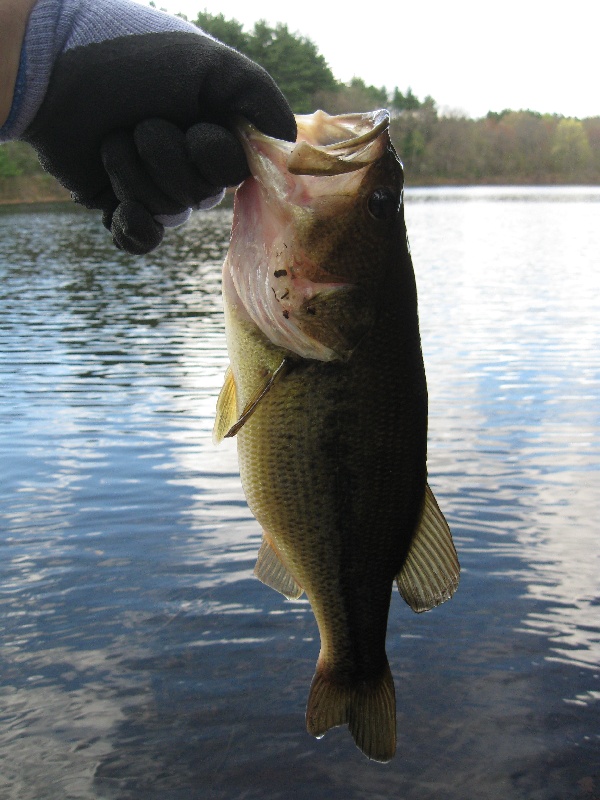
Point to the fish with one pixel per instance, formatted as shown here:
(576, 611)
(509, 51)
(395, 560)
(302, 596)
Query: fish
(326, 395)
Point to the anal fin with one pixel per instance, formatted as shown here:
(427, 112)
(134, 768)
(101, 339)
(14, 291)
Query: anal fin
(271, 571)
(430, 573)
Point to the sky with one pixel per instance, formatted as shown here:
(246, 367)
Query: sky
(471, 57)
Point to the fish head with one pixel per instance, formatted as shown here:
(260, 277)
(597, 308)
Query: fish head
(315, 232)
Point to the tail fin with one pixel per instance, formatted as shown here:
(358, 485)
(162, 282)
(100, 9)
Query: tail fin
(369, 708)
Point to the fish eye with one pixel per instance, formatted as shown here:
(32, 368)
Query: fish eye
(383, 203)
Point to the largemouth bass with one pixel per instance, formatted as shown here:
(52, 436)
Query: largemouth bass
(326, 393)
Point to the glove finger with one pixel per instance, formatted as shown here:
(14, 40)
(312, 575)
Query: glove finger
(104, 200)
(107, 203)
(174, 220)
(134, 229)
(218, 154)
(163, 149)
(129, 178)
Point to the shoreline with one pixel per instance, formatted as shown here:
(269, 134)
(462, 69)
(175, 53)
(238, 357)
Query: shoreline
(22, 190)
(44, 190)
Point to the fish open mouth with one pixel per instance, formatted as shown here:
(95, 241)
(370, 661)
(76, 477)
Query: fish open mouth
(342, 131)
(326, 145)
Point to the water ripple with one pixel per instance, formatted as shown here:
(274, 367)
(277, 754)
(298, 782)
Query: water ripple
(140, 656)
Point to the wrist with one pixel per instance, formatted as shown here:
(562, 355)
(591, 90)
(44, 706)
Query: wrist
(13, 23)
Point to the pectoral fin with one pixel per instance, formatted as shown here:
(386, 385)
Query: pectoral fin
(226, 408)
(227, 424)
(430, 574)
(271, 571)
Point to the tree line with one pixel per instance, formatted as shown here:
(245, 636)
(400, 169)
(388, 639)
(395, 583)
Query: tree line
(502, 147)
(505, 147)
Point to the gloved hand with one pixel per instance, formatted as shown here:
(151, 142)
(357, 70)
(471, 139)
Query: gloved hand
(139, 112)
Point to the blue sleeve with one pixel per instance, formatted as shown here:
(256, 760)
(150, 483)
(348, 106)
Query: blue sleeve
(40, 46)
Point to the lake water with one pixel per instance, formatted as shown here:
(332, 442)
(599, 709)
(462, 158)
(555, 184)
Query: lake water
(141, 659)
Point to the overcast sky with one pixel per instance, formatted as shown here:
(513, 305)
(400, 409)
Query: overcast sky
(469, 56)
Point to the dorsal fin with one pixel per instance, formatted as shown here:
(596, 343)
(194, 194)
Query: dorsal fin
(430, 574)
(271, 571)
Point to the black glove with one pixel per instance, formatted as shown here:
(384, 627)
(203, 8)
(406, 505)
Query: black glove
(142, 126)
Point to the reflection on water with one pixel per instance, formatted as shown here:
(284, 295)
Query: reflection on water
(140, 658)
(523, 315)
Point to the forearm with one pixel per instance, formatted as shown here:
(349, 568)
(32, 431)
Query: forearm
(13, 22)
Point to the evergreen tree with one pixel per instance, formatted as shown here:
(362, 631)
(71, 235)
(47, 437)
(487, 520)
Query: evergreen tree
(292, 60)
(228, 31)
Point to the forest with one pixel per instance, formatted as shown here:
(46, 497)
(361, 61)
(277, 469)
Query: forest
(505, 147)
